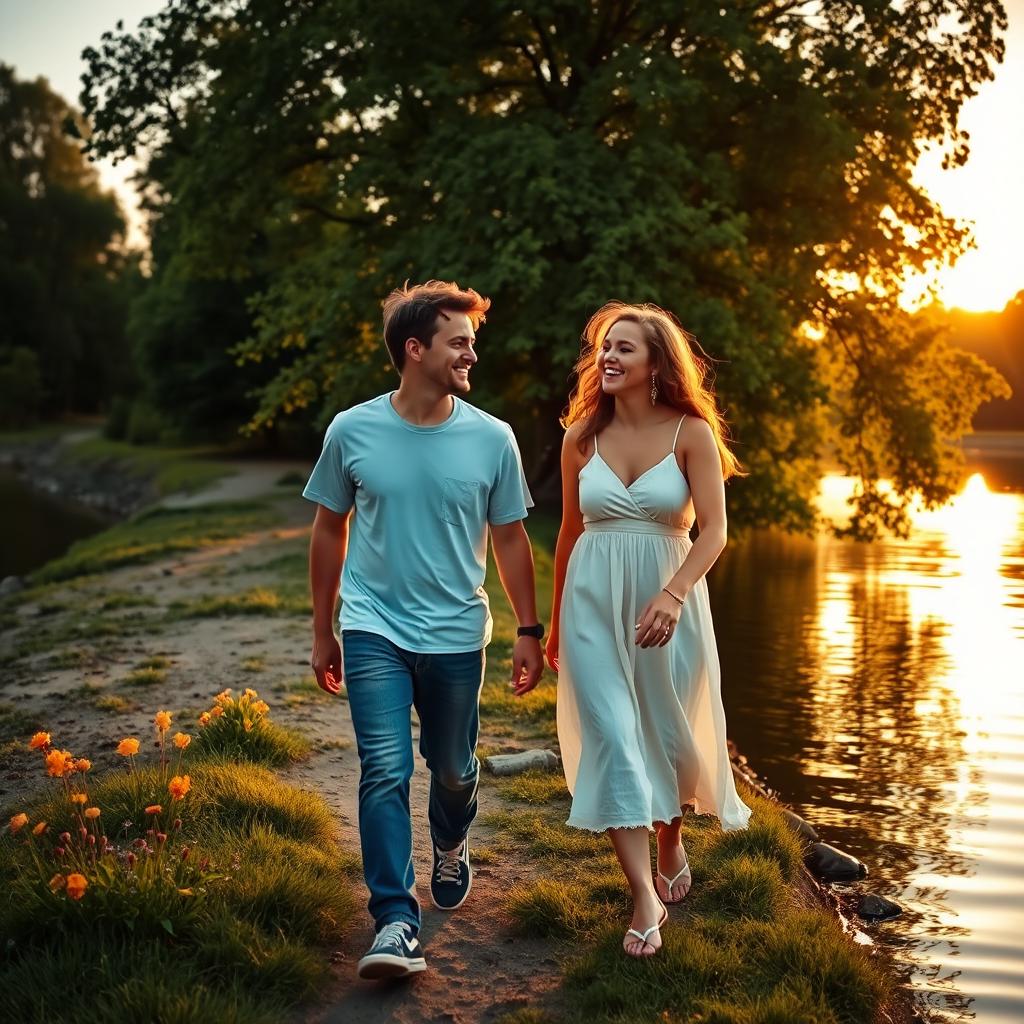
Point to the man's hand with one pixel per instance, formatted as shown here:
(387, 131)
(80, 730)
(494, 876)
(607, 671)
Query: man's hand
(327, 664)
(527, 665)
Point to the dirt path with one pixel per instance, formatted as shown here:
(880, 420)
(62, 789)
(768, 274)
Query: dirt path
(75, 686)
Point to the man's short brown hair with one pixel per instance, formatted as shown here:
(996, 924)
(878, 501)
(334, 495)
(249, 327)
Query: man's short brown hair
(412, 312)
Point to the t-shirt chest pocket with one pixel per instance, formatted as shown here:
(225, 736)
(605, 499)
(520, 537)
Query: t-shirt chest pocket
(462, 502)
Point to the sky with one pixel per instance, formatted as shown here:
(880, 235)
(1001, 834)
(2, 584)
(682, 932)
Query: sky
(46, 37)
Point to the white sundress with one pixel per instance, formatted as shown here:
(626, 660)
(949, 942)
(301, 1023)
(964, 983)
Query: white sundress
(641, 730)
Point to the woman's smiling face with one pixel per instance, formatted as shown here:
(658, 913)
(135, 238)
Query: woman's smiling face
(624, 359)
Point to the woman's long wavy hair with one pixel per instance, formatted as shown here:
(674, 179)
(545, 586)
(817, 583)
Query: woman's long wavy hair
(683, 375)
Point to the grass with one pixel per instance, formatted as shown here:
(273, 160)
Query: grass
(535, 787)
(172, 469)
(257, 601)
(155, 534)
(267, 743)
(742, 948)
(244, 950)
(304, 690)
(145, 676)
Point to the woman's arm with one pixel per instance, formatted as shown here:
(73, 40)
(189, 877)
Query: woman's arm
(568, 532)
(699, 456)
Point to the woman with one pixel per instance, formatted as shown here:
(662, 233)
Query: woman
(640, 719)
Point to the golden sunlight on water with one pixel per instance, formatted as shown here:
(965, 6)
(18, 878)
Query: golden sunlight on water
(956, 591)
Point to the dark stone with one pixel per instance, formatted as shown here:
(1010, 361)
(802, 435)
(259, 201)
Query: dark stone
(833, 865)
(799, 825)
(877, 908)
(11, 585)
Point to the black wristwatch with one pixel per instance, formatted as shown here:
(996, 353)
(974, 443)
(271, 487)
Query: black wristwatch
(535, 631)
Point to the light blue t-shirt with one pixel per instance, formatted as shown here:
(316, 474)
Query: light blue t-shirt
(423, 496)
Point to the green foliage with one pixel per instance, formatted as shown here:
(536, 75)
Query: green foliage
(64, 279)
(739, 165)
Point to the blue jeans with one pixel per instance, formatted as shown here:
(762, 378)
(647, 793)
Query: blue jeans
(384, 682)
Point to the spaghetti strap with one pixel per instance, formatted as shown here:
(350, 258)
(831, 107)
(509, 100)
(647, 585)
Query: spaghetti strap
(675, 440)
(596, 452)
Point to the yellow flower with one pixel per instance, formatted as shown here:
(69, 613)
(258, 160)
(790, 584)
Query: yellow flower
(248, 724)
(250, 693)
(18, 822)
(78, 798)
(223, 698)
(162, 720)
(40, 740)
(182, 740)
(154, 809)
(57, 882)
(91, 812)
(59, 763)
(261, 707)
(127, 747)
(204, 718)
(83, 764)
(217, 711)
(39, 829)
(179, 786)
(76, 886)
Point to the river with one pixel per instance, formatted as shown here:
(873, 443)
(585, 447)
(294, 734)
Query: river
(879, 689)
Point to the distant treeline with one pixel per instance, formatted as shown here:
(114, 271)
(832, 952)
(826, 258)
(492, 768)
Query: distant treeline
(999, 339)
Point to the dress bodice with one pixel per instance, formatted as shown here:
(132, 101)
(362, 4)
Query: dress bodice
(661, 494)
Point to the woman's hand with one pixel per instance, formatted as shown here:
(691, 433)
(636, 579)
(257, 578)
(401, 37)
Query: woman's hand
(551, 650)
(657, 622)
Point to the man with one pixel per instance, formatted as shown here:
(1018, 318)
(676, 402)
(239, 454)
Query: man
(427, 474)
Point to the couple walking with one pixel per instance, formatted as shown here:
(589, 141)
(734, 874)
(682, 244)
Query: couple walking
(408, 486)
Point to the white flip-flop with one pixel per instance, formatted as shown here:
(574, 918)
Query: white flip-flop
(645, 935)
(671, 883)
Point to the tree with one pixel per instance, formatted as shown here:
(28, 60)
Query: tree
(61, 271)
(747, 166)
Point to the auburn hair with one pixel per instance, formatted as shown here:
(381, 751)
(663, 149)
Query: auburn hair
(683, 373)
(412, 311)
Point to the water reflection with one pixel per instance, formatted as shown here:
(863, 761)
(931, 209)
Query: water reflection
(880, 689)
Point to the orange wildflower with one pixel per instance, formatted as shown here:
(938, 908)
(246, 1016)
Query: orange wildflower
(204, 718)
(76, 886)
(57, 882)
(248, 724)
(59, 763)
(127, 747)
(261, 707)
(222, 698)
(182, 740)
(162, 720)
(250, 693)
(78, 798)
(40, 740)
(179, 786)
(154, 809)
(83, 764)
(217, 711)
(39, 829)
(18, 822)
(91, 812)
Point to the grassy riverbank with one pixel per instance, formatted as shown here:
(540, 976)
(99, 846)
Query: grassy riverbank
(169, 608)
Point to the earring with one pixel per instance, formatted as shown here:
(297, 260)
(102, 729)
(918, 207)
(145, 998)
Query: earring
(654, 390)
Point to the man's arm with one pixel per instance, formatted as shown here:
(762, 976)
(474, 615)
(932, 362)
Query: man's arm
(327, 548)
(514, 559)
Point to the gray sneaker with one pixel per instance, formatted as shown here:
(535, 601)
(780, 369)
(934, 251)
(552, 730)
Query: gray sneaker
(395, 953)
